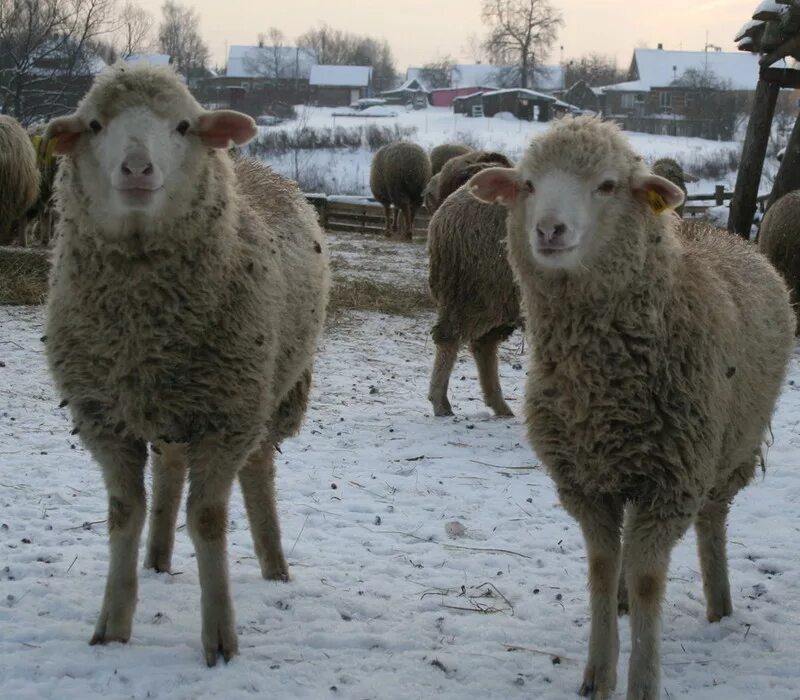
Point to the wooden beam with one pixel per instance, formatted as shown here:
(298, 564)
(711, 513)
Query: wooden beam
(788, 177)
(745, 195)
(783, 77)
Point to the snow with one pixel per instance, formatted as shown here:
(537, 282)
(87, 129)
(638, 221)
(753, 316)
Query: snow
(399, 528)
(346, 171)
(340, 76)
(373, 111)
(154, 59)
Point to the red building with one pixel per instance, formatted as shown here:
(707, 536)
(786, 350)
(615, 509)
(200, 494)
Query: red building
(443, 97)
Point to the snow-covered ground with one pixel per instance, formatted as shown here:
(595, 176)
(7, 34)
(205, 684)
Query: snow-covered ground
(429, 557)
(346, 171)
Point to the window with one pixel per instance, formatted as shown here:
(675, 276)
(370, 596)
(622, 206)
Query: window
(627, 101)
(665, 100)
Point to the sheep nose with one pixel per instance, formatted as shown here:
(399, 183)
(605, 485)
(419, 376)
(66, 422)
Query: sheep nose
(137, 164)
(548, 232)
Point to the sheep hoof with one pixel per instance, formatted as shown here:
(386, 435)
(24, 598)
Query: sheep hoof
(442, 410)
(107, 630)
(158, 561)
(503, 412)
(276, 572)
(219, 638)
(598, 682)
(715, 613)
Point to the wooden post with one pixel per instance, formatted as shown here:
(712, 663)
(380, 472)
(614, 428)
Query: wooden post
(743, 204)
(719, 195)
(788, 177)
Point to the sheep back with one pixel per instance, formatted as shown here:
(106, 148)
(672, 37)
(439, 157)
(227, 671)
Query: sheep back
(458, 171)
(469, 276)
(400, 171)
(779, 240)
(441, 154)
(19, 176)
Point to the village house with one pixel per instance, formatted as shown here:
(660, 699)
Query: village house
(339, 86)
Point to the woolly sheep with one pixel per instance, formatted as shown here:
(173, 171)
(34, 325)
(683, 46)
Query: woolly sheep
(476, 297)
(779, 240)
(42, 215)
(457, 171)
(670, 169)
(400, 171)
(656, 361)
(19, 179)
(186, 301)
(430, 195)
(441, 154)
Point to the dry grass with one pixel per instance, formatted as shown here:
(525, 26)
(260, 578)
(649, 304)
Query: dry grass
(367, 295)
(23, 275)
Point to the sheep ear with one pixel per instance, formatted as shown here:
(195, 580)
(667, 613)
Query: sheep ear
(496, 186)
(218, 129)
(64, 132)
(657, 192)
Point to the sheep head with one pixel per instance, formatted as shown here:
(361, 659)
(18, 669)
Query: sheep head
(575, 190)
(139, 140)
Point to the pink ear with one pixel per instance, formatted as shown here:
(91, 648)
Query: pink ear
(65, 131)
(496, 185)
(646, 185)
(218, 129)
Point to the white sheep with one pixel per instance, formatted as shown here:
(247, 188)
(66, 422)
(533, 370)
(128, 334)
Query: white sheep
(186, 300)
(656, 360)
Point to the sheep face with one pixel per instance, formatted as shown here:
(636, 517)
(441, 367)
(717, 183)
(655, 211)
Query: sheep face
(573, 191)
(136, 159)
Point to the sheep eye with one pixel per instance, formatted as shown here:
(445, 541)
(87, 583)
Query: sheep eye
(182, 128)
(95, 126)
(528, 186)
(607, 187)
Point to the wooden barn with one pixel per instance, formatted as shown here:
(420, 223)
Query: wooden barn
(339, 86)
(527, 105)
(444, 97)
(412, 93)
(471, 105)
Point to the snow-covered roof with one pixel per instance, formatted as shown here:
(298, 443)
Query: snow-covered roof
(549, 78)
(523, 91)
(412, 85)
(473, 74)
(470, 96)
(155, 59)
(658, 68)
(340, 76)
(259, 61)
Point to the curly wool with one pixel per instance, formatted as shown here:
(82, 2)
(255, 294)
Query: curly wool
(399, 174)
(779, 240)
(19, 177)
(444, 152)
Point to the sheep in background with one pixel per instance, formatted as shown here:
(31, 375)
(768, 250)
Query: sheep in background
(441, 154)
(457, 171)
(186, 300)
(779, 240)
(41, 217)
(474, 290)
(656, 361)
(400, 171)
(670, 169)
(19, 180)
(430, 195)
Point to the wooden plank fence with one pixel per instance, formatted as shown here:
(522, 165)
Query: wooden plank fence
(368, 217)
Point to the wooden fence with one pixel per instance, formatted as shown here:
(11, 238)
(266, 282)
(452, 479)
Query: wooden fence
(368, 217)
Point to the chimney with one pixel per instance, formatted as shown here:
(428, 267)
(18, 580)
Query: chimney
(661, 47)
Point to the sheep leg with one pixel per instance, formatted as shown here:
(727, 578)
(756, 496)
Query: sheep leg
(123, 462)
(446, 355)
(387, 214)
(169, 473)
(410, 214)
(622, 587)
(257, 479)
(650, 537)
(211, 473)
(711, 544)
(484, 350)
(395, 219)
(600, 522)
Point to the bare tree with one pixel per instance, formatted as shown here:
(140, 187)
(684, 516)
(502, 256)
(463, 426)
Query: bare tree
(273, 59)
(49, 51)
(179, 37)
(594, 69)
(521, 33)
(135, 30)
(438, 73)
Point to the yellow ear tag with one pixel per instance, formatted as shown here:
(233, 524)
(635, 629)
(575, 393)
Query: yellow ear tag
(656, 202)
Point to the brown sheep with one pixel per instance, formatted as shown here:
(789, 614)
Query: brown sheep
(400, 171)
(670, 169)
(474, 290)
(779, 240)
(19, 179)
(441, 154)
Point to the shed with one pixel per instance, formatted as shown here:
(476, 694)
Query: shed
(524, 104)
(583, 96)
(471, 105)
(339, 86)
(410, 92)
(443, 97)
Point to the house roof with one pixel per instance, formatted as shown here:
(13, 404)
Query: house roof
(155, 59)
(526, 93)
(259, 61)
(653, 68)
(340, 76)
(412, 85)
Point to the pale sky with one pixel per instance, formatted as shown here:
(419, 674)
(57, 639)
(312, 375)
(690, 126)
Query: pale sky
(421, 30)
